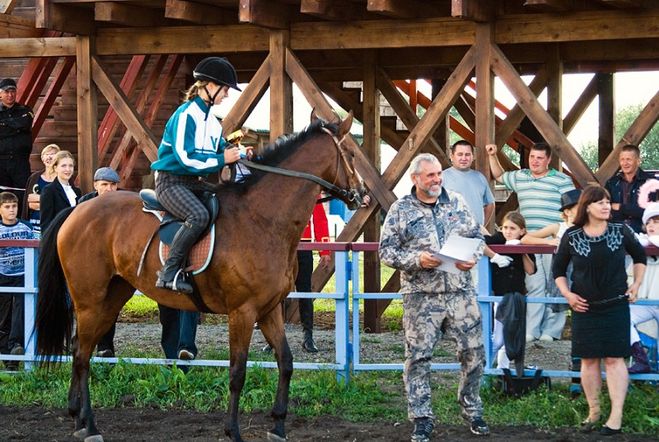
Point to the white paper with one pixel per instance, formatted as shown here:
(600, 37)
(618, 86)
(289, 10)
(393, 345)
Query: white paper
(456, 249)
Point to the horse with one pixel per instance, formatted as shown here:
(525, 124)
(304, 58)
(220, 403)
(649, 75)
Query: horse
(102, 251)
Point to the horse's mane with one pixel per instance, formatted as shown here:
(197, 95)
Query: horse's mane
(282, 148)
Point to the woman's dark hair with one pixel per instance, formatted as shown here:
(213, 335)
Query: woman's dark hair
(591, 194)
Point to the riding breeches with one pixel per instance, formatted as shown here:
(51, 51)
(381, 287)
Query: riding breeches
(177, 193)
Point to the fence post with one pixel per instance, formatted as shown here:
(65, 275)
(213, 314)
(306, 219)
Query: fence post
(342, 317)
(356, 290)
(484, 288)
(30, 298)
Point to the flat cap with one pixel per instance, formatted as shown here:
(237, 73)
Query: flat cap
(106, 174)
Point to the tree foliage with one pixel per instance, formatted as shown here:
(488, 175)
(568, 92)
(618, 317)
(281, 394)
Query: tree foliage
(624, 119)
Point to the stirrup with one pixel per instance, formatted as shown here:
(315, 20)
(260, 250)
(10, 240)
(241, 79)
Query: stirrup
(178, 284)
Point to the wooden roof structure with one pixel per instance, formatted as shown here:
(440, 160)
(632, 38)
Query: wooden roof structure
(321, 44)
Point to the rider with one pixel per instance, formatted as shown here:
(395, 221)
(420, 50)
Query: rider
(192, 147)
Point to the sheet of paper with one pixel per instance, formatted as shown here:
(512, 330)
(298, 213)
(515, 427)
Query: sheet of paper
(455, 249)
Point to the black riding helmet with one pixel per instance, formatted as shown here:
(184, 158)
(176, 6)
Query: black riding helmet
(218, 70)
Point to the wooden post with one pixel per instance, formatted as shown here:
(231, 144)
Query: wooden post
(554, 93)
(484, 133)
(371, 148)
(87, 119)
(607, 124)
(281, 89)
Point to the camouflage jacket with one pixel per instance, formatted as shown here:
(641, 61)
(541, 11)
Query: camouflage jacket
(412, 227)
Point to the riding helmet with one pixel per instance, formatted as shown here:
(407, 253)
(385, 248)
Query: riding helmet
(218, 70)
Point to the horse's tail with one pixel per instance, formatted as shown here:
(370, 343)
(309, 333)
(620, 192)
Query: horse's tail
(54, 318)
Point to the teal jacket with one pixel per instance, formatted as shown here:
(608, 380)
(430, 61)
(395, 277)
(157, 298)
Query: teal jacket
(192, 143)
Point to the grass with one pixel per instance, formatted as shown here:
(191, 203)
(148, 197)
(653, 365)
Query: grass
(374, 396)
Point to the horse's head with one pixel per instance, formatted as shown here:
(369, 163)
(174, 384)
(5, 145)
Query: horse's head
(351, 188)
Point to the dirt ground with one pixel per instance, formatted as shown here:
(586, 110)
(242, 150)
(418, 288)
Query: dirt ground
(149, 425)
(144, 424)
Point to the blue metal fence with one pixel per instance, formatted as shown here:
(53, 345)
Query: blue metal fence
(347, 350)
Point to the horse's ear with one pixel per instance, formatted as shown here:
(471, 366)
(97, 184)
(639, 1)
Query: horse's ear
(345, 125)
(314, 116)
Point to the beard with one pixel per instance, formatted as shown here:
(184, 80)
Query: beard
(432, 191)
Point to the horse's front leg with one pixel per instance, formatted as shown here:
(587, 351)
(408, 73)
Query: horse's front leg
(241, 326)
(272, 327)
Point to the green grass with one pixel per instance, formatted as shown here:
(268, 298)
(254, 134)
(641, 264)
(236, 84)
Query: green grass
(373, 396)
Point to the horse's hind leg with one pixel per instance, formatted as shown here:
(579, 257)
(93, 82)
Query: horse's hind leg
(272, 327)
(241, 327)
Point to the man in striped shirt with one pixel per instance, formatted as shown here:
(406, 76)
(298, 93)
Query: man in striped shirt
(539, 190)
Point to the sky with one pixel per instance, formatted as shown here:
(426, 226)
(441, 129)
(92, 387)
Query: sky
(630, 88)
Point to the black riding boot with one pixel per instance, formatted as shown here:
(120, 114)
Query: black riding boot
(640, 358)
(172, 276)
(308, 344)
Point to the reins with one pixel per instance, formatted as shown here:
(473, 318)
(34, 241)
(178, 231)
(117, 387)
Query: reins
(349, 194)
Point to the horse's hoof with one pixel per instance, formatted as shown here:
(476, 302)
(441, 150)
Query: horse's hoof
(272, 437)
(94, 438)
(80, 434)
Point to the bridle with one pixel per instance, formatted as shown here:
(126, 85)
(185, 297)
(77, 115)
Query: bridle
(351, 195)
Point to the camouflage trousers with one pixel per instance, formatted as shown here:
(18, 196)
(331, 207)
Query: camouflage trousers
(426, 318)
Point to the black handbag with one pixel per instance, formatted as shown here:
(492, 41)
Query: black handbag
(517, 386)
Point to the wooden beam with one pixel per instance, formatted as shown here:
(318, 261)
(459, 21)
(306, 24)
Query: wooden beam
(542, 121)
(634, 135)
(120, 152)
(86, 101)
(547, 5)
(406, 113)
(248, 99)
(579, 107)
(281, 88)
(315, 97)
(591, 26)
(126, 111)
(371, 148)
(401, 8)
(203, 14)
(110, 122)
(182, 40)
(67, 18)
(516, 114)
(6, 6)
(18, 27)
(332, 10)
(38, 47)
(381, 34)
(161, 93)
(265, 13)
(476, 10)
(126, 14)
(484, 96)
(38, 81)
(555, 94)
(42, 112)
(623, 4)
(577, 26)
(607, 113)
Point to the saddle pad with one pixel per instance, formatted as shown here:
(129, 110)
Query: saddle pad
(200, 255)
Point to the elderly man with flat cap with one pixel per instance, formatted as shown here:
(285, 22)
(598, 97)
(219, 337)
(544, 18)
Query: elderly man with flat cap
(15, 139)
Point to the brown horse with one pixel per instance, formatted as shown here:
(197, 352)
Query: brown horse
(97, 248)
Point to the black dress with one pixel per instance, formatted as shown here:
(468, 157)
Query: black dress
(600, 278)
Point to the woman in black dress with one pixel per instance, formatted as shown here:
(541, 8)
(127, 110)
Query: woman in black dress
(599, 298)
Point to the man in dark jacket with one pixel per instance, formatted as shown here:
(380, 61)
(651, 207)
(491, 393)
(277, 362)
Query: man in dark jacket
(624, 185)
(15, 138)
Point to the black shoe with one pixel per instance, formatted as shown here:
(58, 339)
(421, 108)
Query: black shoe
(107, 353)
(309, 345)
(178, 284)
(606, 431)
(18, 350)
(479, 427)
(423, 427)
(588, 426)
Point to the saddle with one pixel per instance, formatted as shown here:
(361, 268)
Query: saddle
(202, 252)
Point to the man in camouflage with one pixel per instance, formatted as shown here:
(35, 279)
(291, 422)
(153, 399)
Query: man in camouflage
(435, 301)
